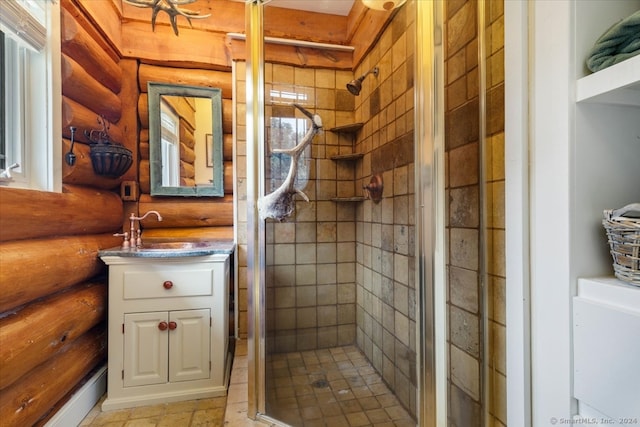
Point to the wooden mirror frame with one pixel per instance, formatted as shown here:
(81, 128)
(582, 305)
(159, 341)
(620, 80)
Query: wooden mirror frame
(155, 91)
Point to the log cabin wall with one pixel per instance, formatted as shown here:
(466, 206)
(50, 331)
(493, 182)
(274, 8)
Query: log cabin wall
(210, 217)
(53, 285)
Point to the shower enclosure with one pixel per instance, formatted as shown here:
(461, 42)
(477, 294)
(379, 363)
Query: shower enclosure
(348, 297)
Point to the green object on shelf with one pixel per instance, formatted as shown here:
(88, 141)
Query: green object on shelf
(620, 42)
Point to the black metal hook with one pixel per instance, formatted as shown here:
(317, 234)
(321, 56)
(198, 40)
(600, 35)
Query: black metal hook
(70, 158)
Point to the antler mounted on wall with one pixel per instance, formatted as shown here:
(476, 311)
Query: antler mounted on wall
(171, 8)
(280, 203)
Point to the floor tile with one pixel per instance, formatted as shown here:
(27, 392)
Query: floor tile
(334, 387)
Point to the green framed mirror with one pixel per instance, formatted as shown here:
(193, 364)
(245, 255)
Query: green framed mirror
(185, 140)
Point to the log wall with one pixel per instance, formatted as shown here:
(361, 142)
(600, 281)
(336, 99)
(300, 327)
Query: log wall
(53, 285)
(191, 212)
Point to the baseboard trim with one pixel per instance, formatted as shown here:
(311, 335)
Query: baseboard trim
(74, 411)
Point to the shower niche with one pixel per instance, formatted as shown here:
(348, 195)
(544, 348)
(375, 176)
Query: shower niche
(348, 160)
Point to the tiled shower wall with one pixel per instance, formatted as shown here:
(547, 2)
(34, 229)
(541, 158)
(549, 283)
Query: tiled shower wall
(310, 276)
(335, 265)
(467, 203)
(311, 291)
(385, 270)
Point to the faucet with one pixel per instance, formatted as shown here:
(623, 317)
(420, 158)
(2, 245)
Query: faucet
(135, 238)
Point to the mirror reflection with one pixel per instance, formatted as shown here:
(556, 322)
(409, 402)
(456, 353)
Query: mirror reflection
(185, 140)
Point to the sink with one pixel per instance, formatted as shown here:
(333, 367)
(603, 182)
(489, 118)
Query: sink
(172, 246)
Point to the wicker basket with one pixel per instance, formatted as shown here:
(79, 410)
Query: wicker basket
(623, 234)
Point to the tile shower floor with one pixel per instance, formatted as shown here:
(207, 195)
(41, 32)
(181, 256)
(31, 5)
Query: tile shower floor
(332, 387)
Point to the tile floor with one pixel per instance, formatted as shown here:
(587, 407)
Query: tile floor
(230, 410)
(332, 388)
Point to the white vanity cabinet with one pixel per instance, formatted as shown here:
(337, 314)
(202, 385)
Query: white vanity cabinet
(168, 328)
(166, 346)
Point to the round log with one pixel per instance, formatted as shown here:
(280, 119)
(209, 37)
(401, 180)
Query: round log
(144, 150)
(187, 170)
(143, 110)
(75, 114)
(186, 135)
(97, 30)
(32, 397)
(227, 146)
(228, 177)
(198, 233)
(80, 46)
(188, 211)
(187, 154)
(129, 120)
(80, 86)
(187, 182)
(42, 329)
(145, 177)
(227, 116)
(29, 214)
(183, 107)
(81, 173)
(185, 76)
(33, 269)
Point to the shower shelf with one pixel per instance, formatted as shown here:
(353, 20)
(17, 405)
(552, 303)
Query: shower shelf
(351, 156)
(350, 128)
(348, 199)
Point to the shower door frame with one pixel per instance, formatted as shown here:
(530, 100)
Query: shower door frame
(429, 209)
(256, 247)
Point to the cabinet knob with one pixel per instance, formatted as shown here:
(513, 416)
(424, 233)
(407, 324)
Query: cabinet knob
(173, 325)
(168, 284)
(163, 326)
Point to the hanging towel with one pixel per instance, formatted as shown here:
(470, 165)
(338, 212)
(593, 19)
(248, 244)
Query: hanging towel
(620, 42)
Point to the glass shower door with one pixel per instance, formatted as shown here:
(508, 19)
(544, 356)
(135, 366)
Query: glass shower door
(338, 288)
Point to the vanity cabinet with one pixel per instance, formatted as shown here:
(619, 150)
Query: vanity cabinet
(166, 346)
(168, 329)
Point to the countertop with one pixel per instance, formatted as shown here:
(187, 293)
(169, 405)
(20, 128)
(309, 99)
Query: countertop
(172, 249)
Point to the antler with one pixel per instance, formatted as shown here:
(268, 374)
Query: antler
(171, 8)
(280, 203)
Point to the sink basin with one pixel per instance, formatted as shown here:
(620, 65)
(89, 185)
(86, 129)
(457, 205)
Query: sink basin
(172, 246)
(171, 249)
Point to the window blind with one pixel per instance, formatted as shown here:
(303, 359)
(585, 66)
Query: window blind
(24, 19)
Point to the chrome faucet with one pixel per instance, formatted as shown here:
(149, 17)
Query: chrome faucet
(135, 236)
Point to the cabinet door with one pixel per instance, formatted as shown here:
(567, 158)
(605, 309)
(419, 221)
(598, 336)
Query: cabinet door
(189, 344)
(145, 348)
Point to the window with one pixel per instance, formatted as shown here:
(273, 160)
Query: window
(170, 137)
(286, 131)
(30, 134)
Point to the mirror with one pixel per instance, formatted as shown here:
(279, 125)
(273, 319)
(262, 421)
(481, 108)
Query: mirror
(185, 140)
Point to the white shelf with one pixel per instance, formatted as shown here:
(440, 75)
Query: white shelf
(618, 84)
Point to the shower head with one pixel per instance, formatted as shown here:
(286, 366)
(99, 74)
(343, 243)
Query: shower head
(355, 86)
